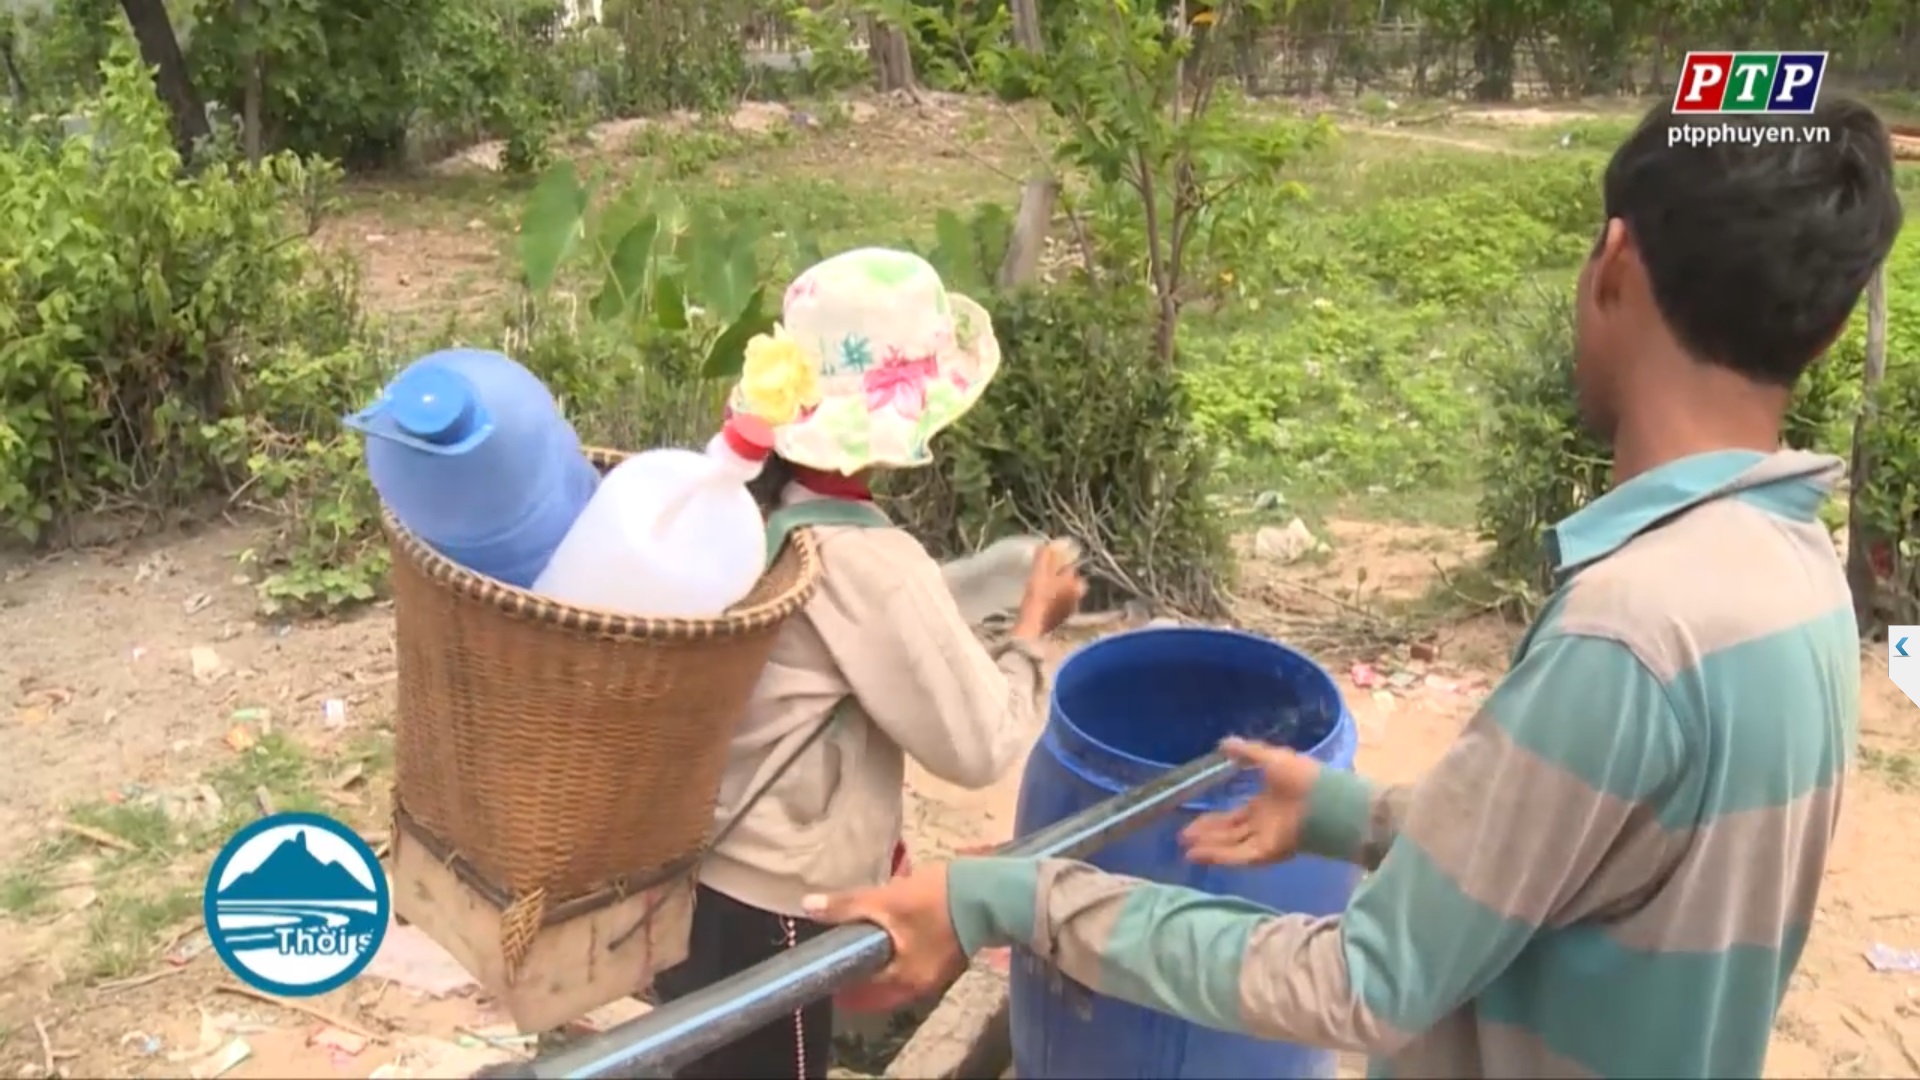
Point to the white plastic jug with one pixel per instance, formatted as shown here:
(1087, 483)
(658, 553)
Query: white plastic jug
(670, 533)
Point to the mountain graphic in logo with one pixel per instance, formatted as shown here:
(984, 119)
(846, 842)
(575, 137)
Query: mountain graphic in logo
(292, 872)
(296, 904)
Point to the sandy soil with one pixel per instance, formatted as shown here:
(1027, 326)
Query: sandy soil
(97, 650)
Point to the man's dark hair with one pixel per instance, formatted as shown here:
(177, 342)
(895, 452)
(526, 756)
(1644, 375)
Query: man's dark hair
(1758, 251)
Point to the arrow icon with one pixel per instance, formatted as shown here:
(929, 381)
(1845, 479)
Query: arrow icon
(1904, 676)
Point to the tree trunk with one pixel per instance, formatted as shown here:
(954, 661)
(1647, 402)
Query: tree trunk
(1661, 46)
(15, 81)
(1862, 579)
(892, 61)
(250, 95)
(250, 92)
(161, 51)
(1026, 26)
(1029, 240)
(1246, 58)
(250, 111)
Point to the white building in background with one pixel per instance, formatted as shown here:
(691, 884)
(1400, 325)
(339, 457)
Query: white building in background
(578, 10)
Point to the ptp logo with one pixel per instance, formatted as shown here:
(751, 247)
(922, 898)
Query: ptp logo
(1724, 82)
(1903, 659)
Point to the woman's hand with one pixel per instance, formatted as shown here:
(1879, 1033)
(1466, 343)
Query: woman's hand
(1054, 590)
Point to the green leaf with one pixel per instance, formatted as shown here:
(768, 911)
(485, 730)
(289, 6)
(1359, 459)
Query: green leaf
(551, 225)
(953, 250)
(669, 301)
(607, 305)
(627, 268)
(807, 247)
(729, 352)
(723, 270)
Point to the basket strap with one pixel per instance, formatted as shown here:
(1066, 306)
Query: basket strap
(834, 715)
(840, 709)
(810, 512)
(780, 525)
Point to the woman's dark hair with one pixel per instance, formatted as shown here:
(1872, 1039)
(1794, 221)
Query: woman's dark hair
(773, 479)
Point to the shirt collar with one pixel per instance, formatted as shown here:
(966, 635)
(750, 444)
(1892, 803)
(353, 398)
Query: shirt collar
(1790, 483)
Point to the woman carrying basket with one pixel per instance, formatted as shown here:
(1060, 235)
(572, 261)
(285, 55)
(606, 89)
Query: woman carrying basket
(873, 357)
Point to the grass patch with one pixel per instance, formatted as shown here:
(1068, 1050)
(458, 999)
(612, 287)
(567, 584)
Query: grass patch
(25, 892)
(1899, 771)
(1599, 135)
(689, 152)
(144, 861)
(440, 202)
(129, 928)
(1448, 505)
(275, 775)
(150, 889)
(371, 750)
(145, 829)
(1343, 365)
(32, 881)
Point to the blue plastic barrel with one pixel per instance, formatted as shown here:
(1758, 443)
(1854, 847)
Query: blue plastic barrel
(470, 452)
(1125, 709)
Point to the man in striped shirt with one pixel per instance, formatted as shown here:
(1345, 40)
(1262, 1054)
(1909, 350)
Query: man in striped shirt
(1613, 871)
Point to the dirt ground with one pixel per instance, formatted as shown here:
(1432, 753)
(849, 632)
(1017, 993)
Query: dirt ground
(127, 668)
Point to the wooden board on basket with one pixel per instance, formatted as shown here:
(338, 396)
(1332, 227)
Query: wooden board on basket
(570, 969)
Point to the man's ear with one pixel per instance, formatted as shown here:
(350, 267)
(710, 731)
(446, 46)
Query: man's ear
(1614, 259)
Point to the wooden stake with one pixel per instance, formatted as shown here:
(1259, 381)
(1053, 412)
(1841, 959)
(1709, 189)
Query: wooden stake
(1861, 578)
(1029, 239)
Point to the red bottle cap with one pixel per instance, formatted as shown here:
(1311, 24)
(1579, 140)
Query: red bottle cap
(748, 436)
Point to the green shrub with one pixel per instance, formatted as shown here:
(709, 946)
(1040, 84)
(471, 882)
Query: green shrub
(1890, 500)
(836, 62)
(1081, 435)
(1339, 392)
(349, 79)
(136, 305)
(1890, 503)
(323, 550)
(680, 54)
(1476, 237)
(622, 390)
(1540, 464)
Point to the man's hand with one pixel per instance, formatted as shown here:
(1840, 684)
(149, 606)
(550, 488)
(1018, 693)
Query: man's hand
(912, 909)
(1267, 828)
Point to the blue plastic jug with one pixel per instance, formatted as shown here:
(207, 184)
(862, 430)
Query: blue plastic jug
(470, 452)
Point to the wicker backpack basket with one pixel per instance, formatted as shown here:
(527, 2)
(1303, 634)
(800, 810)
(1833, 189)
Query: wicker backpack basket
(560, 759)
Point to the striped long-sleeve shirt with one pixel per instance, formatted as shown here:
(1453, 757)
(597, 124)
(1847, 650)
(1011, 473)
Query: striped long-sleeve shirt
(1611, 873)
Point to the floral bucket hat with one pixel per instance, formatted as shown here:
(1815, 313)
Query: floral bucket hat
(872, 358)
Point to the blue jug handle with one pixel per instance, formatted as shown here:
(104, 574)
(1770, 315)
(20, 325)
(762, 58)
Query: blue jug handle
(376, 422)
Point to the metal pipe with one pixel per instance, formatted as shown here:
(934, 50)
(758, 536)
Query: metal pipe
(684, 1030)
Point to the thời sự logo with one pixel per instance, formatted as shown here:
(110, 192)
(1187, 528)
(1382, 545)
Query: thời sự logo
(296, 904)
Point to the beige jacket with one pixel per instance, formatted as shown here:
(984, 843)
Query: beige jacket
(883, 630)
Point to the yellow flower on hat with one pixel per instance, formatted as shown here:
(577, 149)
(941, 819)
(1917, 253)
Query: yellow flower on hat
(778, 380)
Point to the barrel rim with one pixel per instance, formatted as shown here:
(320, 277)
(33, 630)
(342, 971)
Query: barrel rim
(1324, 750)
